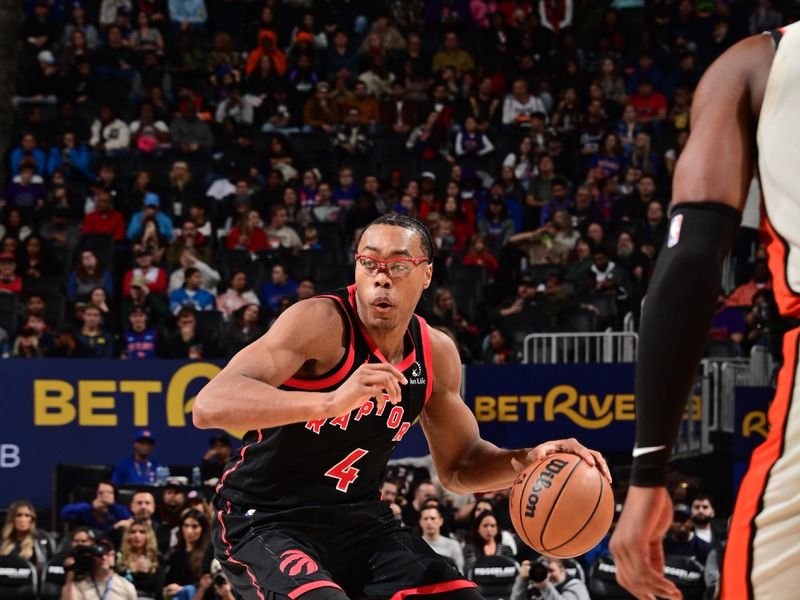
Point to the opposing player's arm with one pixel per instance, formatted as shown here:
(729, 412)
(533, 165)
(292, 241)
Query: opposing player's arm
(464, 461)
(710, 187)
(245, 394)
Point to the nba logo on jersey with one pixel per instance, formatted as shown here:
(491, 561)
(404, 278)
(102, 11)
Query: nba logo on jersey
(416, 371)
(674, 230)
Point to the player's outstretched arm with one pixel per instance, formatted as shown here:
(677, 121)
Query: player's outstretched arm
(245, 394)
(710, 187)
(464, 462)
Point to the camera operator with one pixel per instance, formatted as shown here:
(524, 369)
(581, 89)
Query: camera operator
(92, 576)
(547, 579)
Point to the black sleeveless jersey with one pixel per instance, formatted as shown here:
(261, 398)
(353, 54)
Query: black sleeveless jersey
(336, 460)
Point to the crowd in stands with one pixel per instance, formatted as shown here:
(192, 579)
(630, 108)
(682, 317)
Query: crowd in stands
(156, 541)
(182, 171)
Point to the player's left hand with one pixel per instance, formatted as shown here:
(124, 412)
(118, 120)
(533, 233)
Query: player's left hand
(571, 445)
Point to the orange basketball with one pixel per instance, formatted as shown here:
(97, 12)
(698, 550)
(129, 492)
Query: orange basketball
(560, 506)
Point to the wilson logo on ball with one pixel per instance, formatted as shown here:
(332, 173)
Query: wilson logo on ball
(543, 481)
(300, 563)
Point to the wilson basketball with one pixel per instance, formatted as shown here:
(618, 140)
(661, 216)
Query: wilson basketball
(560, 506)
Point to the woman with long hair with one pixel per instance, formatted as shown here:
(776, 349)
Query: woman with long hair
(191, 557)
(151, 239)
(20, 537)
(523, 161)
(145, 36)
(484, 539)
(87, 276)
(478, 253)
(138, 559)
(181, 192)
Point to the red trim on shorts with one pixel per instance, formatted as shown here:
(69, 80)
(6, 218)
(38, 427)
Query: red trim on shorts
(334, 378)
(738, 560)
(436, 588)
(373, 347)
(313, 585)
(224, 536)
(238, 462)
(425, 334)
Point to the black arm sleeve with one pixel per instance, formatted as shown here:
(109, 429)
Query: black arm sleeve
(676, 319)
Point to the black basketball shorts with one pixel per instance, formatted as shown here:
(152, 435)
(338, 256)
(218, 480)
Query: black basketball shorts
(360, 549)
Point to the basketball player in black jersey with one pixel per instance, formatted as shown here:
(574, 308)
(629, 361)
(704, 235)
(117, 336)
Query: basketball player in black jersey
(325, 396)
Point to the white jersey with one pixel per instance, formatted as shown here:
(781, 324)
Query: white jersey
(778, 162)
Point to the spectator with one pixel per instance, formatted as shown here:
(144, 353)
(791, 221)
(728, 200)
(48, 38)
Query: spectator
(431, 522)
(155, 277)
(484, 540)
(110, 135)
(235, 107)
(101, 514)
(66, 345)
(97, 340)
(191, 294)
(320, 112)
(429, 141)
(139, 340)
(519, 105)
(351, 140)
(72, 157)
(423, 493)
(20, 537)
(397, 114)
(278, 287)
(190, 238)
(743, 295)
(650, 105)
(102, 574)
(208, 275)
(104, 219)
(10, 282)
(681, 539)
(248, 234)
(498, 351)
(87, 276)
(216, 457)
(187, 342)
(189, 565)
(366, 104)
(24, 193)
(173, 502)
(244, 329)
(703, 514)
(558, 585)
(140, 467)
(190, 135)
(140, 297)
(478, 253)
(237, 295)
(187, 15)
(452, 56)
(138, 559)
(279, 235)
(471, 143)
(150, 211)
(28, 152)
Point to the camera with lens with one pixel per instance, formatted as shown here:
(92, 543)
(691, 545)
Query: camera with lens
(220, 580)
(539, 572)
(84, 556)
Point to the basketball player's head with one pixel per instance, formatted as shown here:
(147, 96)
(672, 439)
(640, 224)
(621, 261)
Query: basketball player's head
(393, 268)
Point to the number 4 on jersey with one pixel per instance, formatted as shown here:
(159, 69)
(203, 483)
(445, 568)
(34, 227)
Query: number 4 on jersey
(344, 471)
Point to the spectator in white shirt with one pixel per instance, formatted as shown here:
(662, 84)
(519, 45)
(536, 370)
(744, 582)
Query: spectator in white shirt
(519, 105)
(430, 522)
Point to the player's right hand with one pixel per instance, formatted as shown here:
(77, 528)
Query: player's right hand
(637, 544)
(371, 380)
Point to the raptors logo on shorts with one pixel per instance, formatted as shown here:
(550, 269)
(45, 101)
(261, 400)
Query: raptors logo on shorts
(297, 562)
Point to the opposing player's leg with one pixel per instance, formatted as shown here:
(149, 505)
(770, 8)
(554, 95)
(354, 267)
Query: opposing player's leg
(762, 556)
(269, 563)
